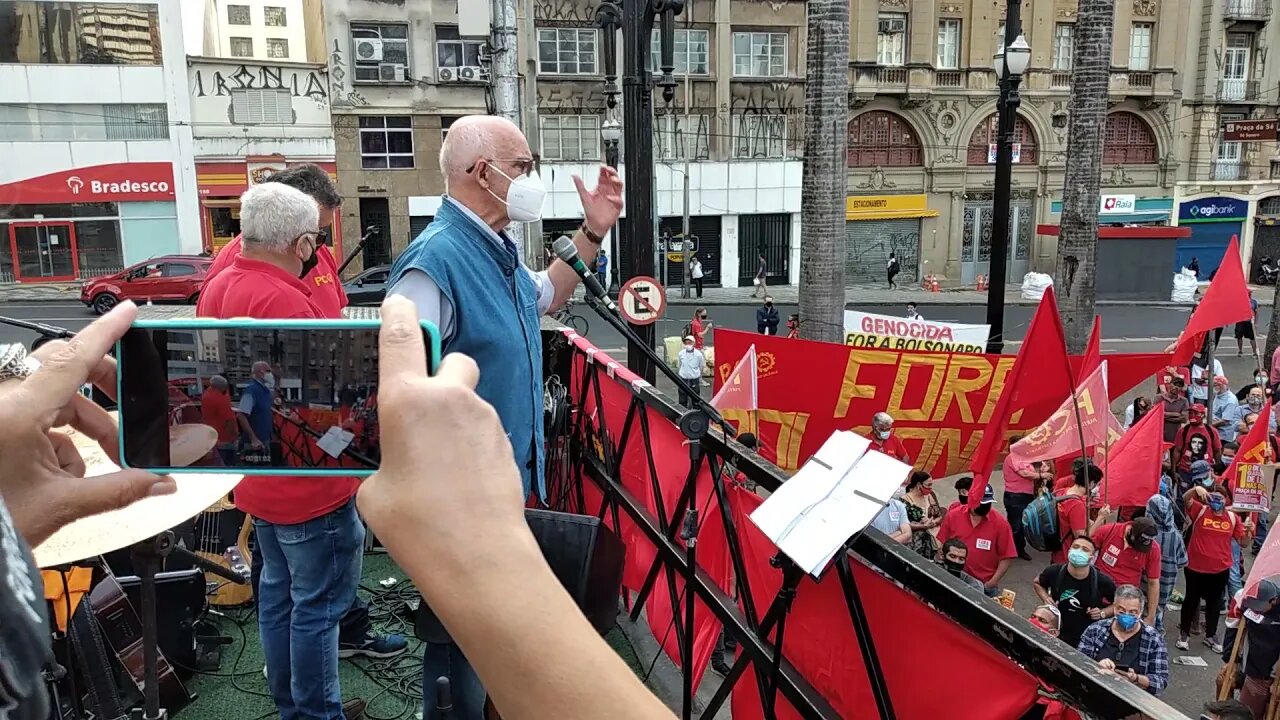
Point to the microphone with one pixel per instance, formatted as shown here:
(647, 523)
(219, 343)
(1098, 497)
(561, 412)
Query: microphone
(568, 252)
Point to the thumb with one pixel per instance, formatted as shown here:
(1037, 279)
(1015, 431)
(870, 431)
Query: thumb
(101, 493)
(577, 182)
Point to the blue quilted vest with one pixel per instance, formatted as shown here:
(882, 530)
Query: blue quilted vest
(495, 322)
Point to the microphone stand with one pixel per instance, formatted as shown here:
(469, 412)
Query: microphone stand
(358, 248)
(693, 392)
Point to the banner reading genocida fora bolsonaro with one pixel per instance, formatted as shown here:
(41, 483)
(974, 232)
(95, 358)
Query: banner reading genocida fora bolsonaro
(885, 332)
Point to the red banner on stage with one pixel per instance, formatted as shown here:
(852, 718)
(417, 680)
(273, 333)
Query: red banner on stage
(941, 403)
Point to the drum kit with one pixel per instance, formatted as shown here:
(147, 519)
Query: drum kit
(145, 529)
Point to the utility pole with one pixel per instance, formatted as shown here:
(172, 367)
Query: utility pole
(504, 78)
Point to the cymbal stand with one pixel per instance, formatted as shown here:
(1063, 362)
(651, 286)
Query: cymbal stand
(148, 555)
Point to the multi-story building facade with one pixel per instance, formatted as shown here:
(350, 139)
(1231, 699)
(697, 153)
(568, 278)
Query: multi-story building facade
(95, 137)
(400, 73)
(256, 30)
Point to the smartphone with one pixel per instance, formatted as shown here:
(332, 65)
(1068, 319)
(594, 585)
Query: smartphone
(254, 397)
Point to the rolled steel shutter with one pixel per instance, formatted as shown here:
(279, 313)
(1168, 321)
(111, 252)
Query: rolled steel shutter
(867, 247)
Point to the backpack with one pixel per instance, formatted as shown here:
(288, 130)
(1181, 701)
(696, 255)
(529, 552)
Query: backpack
(1040, 523)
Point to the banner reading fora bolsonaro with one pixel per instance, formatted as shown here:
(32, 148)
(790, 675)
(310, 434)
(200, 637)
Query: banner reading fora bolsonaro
(885, 332)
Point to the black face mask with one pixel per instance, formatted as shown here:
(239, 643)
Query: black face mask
(954, 568)
(768, 305)
(964, 499)
(982, 510)
(309, 264)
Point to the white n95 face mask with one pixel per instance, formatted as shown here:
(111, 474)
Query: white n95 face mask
(525, 197)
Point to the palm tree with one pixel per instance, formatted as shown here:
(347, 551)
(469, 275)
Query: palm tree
(1086, 127)
(822, 203)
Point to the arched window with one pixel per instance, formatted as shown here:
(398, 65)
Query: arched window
(1129, 140)
(882, 138)
(984, 136)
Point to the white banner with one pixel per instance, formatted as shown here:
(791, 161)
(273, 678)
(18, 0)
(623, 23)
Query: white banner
(886, 332)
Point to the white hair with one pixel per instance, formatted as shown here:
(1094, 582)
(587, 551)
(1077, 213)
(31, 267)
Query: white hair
(273, 215)
(218, 382)
(882, 418)
(469, 141)
(1131, 592)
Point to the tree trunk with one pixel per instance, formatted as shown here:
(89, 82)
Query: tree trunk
(822, 204)
(1086, 128)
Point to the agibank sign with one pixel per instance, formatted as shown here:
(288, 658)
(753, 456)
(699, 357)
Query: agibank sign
(118, 182)
(1215, 209)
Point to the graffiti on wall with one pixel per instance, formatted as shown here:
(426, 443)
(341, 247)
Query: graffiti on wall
(560, 99)
(339, 90)
(209, 81)
(867, 255)
(577, 13)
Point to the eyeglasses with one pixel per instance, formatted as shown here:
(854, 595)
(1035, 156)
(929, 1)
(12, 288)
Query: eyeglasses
(523, 166)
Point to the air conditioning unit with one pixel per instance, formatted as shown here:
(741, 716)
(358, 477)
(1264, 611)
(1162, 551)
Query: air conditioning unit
(392, 72)
(446, 75)
(368, 50)
(470, 74)
(893, 26)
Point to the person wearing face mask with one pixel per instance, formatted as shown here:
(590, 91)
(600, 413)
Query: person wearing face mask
(1225, 406)
(1195, 441)
(1173, 551)
(962, 486)
(1080, 592)
(309, 534)
(699, 327)
(954, 556)
(924, 512)
(987, 534)
(1176, 406)
(690, 363)
(1209, 555)
(883, 440)
(1021, 479)
(1252, 405)
(322, 275)
(1125, 646)
(1129, 553)
(1073, 508)
(767, 318)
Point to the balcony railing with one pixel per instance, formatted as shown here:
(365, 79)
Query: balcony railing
(1142, 80)
(1060, 80)
(949, 78)
(1232, 90)
(891, 76)
(1248, 10)
(1228, 170)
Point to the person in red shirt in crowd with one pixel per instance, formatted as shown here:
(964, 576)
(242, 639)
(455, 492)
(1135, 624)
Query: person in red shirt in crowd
(962, 494)
(1021, 481)
(883, 440)
(1073, 509)
(1194, 441)
(216, 412)
(1129, 553)
(309, 533)
(1209, 558)
(987, 534)
(699, 327)
(322, 278)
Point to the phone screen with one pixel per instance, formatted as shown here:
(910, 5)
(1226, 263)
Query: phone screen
(250, 399)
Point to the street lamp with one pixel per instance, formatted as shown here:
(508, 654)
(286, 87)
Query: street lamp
(1010, 62)
(611, 133)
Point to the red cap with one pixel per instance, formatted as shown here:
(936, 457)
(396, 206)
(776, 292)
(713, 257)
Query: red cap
(1198, 408)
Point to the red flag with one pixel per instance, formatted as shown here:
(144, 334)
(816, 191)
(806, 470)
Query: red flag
(1255, 446)
(1093, 351)
(739, 391)
(1040, 372)
(1225, 302)
(1085, 414)
(1133, 469)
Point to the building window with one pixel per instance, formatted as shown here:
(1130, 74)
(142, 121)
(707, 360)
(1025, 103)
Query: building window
(457, 59)
(1064, 37)
(948, 45)
(681, 137)
(380, 52)
(238, 15)
(242, 47)
(691, 52)
(277, 48)
(446, 122)
(261, 107)
(891, 40)
(79, 33)
(880, 138)
(759, 54)
(274, 16)
(982, 143)
(83, 121)
(757, 137)
(571, 138)
(1128, 141)
(1140, 41)
(386, 142)
(567, 51)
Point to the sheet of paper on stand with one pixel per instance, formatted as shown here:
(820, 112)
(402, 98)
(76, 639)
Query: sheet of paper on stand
(334, 441)
(837, 493)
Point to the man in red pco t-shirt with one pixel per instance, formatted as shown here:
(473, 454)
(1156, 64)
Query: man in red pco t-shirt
(307, 529)
(1129, 553)
(322, 279)
(883, 440)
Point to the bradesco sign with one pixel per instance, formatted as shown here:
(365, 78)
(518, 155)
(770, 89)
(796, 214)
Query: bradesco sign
(119, 182)
(1214, 209)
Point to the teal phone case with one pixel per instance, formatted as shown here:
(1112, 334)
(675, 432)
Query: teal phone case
(433, 362)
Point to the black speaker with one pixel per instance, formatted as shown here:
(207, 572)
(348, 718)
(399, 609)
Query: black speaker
(585, 556)
(180, 601)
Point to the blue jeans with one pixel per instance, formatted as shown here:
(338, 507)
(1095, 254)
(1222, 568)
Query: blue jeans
(355, 626)
(1260, 534)
(1235, 578)
(1014, 505)
(446, 660)
(310, 572)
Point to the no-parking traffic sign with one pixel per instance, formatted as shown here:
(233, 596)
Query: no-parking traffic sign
(642, 300)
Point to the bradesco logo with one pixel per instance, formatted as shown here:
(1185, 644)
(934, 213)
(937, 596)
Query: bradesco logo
(119, 187)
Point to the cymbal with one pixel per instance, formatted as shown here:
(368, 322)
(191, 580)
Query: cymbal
(109, 531)
(189, 443)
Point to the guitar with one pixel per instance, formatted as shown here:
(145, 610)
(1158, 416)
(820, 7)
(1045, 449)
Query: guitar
(214, 542)
(123, 632)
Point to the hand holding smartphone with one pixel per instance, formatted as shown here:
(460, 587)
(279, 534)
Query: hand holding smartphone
(265, 397)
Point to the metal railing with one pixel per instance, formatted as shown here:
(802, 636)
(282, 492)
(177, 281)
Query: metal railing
(584, 448)
(1233, 90)
(1248, 9)
(892, 76)
(949, 78)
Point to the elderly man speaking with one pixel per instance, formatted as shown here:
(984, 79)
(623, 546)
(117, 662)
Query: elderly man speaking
(465, 275)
